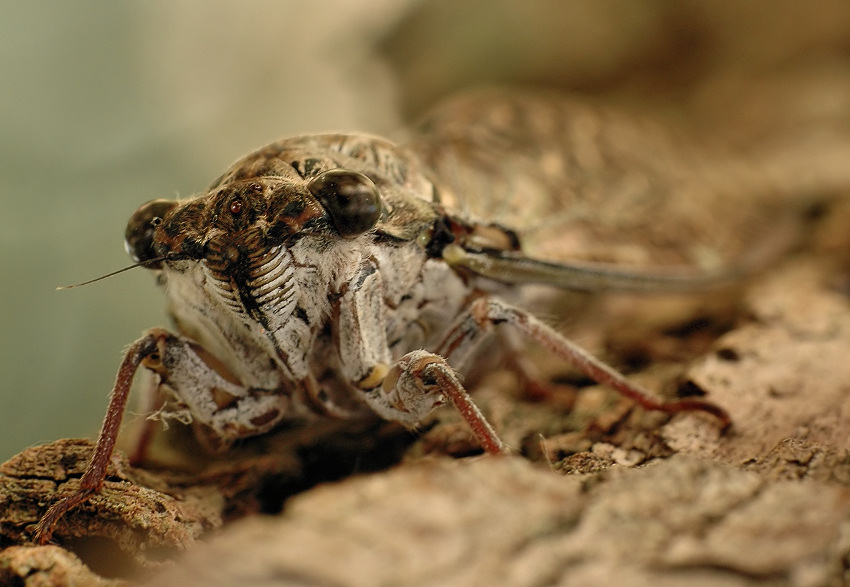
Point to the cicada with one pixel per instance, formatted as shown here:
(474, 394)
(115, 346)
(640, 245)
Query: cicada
(343, 276)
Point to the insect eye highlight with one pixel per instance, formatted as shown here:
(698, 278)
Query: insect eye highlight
(138, 238)
(350, 198)
(236, 207)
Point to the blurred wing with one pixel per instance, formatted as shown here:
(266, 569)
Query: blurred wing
(581, 182)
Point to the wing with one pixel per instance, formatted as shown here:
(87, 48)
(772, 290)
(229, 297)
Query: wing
(582, 182)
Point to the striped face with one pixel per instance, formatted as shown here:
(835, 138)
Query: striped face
(229, 224)
(252, 265)
(241, 228)
(240, 231)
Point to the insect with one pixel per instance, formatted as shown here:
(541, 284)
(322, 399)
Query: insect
(343, 276)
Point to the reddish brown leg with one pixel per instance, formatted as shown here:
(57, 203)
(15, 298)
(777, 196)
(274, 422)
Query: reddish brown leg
(419, 382)
(145, 435)
(602, 373)
(485, 311)
(95, 473)
(533, 386)
(448, 382)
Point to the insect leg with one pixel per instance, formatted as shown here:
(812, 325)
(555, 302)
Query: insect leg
(207, 394)
(203, 388)
(92, 480)
(533, 383)
(420, 381)
(413, 386)
(153, 401)
(486, 311)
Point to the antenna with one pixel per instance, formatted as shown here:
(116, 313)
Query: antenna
(122, 270)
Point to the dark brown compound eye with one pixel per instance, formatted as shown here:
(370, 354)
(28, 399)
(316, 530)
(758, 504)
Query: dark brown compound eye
(138, 238)
(350, 198)
(235, 207)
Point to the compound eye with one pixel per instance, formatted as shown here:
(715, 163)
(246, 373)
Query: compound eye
(351, 199)
(138, 238)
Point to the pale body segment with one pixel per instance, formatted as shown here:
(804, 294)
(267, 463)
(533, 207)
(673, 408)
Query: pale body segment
(326, 277)
(289, 324)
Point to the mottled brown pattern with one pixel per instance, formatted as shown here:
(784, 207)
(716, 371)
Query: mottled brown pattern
(577, 180)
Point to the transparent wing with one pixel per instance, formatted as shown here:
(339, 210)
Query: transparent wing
(582, 182)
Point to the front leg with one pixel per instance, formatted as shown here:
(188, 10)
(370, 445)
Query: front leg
(203, 388)
(419, 382)
(92, 479)
(208, 395)
(414, 385)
